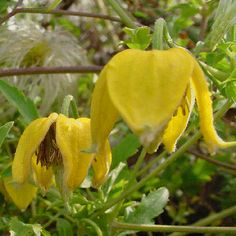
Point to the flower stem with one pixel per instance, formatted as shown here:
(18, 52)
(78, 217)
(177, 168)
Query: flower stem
(138, 164)
(172, 228)
(160, 35)
(157, 40)
(69, 102)
(124, 16)
(212, 218)
(152, 163)
(94, 225)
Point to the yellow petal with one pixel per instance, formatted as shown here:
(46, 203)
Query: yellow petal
(28, 144)
(204, 103)
(103, 113)
(101, 164)
(43, 176)
(146, 87)
(178, 123)
(21, 194)
(73, 137)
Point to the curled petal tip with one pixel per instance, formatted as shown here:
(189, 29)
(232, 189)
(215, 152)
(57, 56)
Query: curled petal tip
(21, 194)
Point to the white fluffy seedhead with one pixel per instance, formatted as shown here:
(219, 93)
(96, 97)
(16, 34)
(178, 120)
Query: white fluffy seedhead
(25, 44)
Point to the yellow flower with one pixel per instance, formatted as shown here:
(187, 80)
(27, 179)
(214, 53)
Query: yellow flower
(154, 92)
(59, 142)
(22, 195)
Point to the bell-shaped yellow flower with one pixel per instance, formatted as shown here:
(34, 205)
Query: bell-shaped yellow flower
(59, 141)
(154, 92)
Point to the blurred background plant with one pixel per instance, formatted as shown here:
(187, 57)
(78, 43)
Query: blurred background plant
(198, 186)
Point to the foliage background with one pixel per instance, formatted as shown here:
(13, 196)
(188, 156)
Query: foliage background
(197, 186)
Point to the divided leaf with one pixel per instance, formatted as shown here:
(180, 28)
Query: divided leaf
(150, 207)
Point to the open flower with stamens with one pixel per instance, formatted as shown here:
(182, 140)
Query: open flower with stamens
(154, 92)
(58, 142)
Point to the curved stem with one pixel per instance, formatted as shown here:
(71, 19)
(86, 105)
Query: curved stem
(212, 218)
(172, 228)
(161, 34)
(138, 163)
(94, 225)
(66, 105)
(124, 16)
(157, 40)
(69, 102)
(151, 163)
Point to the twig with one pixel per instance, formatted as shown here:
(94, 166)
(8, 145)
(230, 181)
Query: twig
(211, 219)
(12, 13)
(213, 161)
(58, 12)
(50, 70)
(173, 228)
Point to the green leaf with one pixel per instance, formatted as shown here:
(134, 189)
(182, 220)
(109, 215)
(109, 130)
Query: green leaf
(150, 207)
(18, 228)
(69, 25)
(139, 38)
(230, 90)
(112, 177)
(4, 130)
(53, 5)
(4, 4)
(24, 104)
(126, 148)
(64, 227)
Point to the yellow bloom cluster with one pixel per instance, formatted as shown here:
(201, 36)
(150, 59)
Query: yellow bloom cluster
(153, 91)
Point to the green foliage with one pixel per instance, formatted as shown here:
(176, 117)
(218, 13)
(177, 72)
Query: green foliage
(139, 38)
(150, 207)
(4, 4)
(4, 130)
(64, 227)
(18, 228)
(24, 104)
(197, 188)
(54, 4)
(125, 149)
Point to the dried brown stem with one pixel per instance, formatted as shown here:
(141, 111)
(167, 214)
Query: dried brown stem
(50, 70)
(58, 12)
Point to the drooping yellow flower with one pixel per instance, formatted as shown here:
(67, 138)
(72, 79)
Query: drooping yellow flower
(59, 141)
(21, 194)
(154, 92)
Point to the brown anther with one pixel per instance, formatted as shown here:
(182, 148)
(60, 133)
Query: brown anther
(48, 153)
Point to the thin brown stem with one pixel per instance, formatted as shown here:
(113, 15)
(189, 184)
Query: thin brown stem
(58, 12)
(213, 161)
(50, 70)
